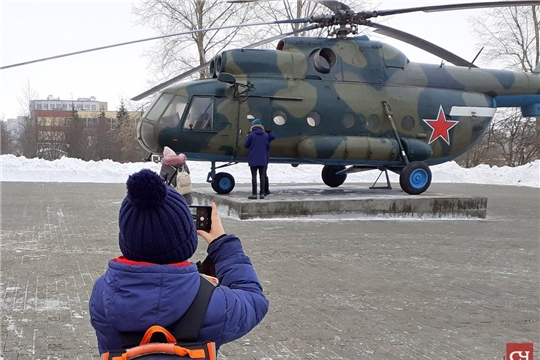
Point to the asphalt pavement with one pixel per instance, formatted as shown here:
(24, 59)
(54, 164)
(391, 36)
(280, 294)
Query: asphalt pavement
(338, 288)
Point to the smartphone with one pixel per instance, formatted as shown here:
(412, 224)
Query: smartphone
(202, 216)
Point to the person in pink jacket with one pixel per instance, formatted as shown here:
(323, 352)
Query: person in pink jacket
(170, 164)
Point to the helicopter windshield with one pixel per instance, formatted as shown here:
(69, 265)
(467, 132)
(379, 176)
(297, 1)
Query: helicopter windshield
(171, 117)
(166, 111)
(201, 114)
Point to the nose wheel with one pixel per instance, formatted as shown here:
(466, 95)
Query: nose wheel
(223, 183)
(415, 178)
(330, 177)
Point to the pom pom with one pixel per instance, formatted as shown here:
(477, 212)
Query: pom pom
(146, 189)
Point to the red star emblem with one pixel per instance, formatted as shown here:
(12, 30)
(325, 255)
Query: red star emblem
(441, 127)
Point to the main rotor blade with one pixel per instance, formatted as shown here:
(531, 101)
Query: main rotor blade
(287, 21)
(333, 5)
(265, 41)
(203, 66)
(420, 43)
(170, 81)
(435, 8)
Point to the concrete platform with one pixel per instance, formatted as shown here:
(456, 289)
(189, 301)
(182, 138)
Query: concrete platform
(357, 200)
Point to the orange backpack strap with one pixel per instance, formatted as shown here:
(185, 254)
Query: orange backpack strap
(191, 351)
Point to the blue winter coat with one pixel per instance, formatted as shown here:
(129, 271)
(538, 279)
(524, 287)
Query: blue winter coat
(258, 143)
(132, 296)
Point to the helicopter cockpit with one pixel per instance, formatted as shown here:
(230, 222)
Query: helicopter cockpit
(167, 112)
(200, 115)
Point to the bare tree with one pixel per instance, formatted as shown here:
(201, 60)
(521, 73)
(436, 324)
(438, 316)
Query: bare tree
(6, 138)
(127, 147)
(101, 138)
(27, 140)
(515, 137)
(51, 137)
(173, 55)
(484, 151)
(510, 36)
(76, 137)
(515, 46)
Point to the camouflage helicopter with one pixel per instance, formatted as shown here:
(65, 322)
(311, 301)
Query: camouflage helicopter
(344, 101)
(348, 103)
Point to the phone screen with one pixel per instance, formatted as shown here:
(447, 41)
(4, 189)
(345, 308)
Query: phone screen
(202, 216)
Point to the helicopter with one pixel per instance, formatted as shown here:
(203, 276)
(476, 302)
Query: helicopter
(343, 101)
(348, 103)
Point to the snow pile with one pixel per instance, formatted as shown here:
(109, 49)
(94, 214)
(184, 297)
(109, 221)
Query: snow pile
(15, 168)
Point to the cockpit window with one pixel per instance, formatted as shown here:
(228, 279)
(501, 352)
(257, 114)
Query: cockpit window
(158, 106)
(173, 114)
(201, 115)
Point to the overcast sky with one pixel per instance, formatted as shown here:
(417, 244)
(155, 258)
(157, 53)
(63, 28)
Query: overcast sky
(32, 30)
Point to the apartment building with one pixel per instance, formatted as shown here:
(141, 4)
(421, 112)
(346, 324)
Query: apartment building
(81, 104)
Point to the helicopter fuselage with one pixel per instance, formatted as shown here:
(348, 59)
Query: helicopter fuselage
(337, 102)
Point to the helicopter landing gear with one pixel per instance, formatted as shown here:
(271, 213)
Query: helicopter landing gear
(415, 178)
(330, 176)
(223, 183)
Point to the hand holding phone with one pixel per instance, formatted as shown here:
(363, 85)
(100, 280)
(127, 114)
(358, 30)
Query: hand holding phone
(216, 229)
(202, 217)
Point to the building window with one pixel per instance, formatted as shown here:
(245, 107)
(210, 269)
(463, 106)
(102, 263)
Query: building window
(94, 107)
(91, 123)
(38, 106)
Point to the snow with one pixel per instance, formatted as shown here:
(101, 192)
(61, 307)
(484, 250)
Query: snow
(21, 169)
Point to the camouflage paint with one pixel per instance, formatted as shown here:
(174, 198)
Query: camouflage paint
(337, 80)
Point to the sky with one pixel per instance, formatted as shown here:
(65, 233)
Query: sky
(21, 169)
(36, 29)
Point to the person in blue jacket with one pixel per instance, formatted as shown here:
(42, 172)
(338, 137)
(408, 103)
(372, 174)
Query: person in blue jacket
(258, 143)
(153, 283)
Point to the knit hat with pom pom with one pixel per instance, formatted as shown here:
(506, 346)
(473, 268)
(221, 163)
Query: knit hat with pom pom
(155, 222)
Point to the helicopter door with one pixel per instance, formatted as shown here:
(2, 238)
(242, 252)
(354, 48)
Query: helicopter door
(253, 108)
(208, 131)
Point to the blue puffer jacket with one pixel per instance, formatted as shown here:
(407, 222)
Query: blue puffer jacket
(132, 296)
(258, 143)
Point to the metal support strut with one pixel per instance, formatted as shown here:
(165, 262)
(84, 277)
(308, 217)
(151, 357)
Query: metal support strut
(388, 112)
(388, 185)
(212, 174)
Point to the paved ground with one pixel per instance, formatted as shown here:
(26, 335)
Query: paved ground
(339, 289)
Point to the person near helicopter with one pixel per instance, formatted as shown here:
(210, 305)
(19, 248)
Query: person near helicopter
(258, 142)
(170, 165)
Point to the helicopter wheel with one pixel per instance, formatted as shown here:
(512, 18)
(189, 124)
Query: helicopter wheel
(415, 178)
(329, 175)
(223, 183)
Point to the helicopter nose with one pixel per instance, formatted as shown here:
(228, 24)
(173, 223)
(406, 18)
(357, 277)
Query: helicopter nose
(146, 136)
